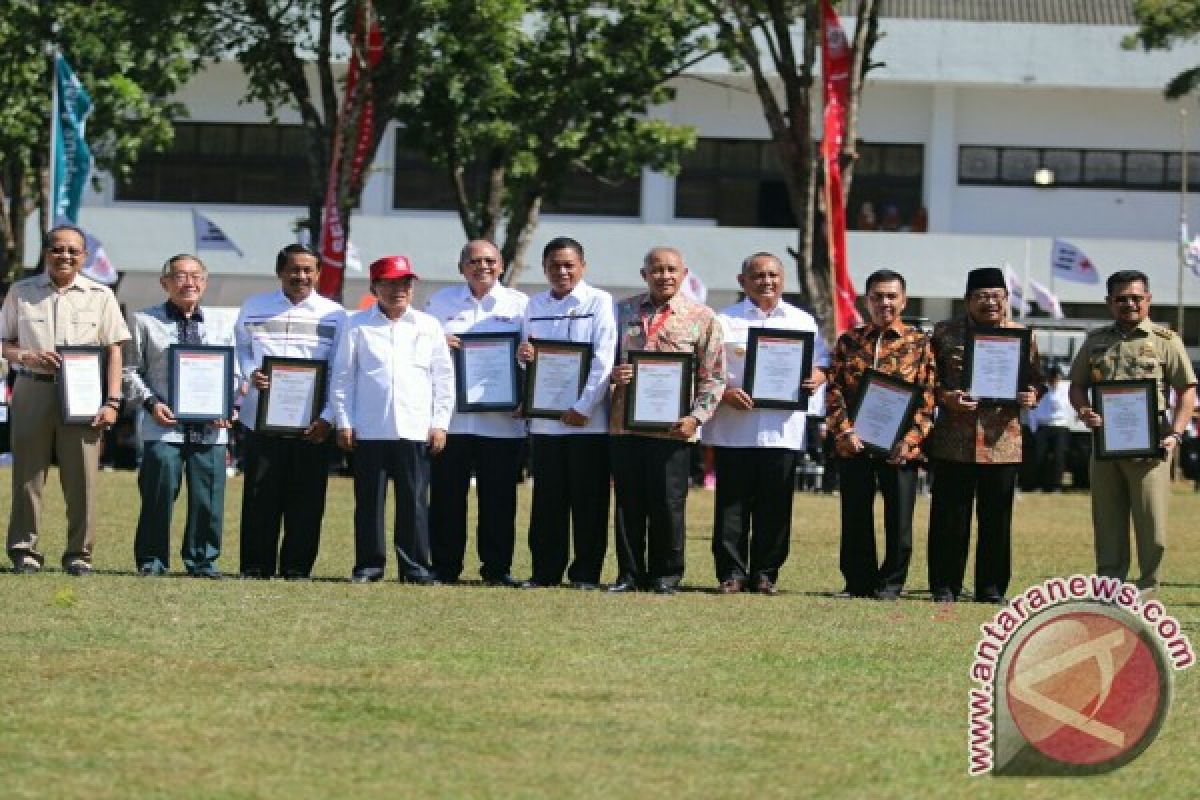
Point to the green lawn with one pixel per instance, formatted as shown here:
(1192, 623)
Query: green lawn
(123, 687)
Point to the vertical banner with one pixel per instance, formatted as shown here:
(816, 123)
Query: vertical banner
(835, 80)
(72, 160)
(354, 126)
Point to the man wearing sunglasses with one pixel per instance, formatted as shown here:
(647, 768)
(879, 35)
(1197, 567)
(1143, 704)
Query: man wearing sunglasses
(57, 308)
(1133, 348)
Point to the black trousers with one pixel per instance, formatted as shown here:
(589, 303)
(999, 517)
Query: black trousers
(285, 483)
(956, 487)
(406, 465)
(859, 478)
(755, 486)
(650, 477)
(496, 464)
(570, 502)
(1052, 441)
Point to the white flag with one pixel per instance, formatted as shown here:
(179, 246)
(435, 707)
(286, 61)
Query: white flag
(1016, 292)
(1191, 250)
(1069, 263)
(1046, 299)
(693, 288)
(98, 267)
(210, 237)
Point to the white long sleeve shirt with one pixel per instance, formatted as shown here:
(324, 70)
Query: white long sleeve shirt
(272, 325)
(393, 379)
(499, 311)
(583, 315)
(762, 427)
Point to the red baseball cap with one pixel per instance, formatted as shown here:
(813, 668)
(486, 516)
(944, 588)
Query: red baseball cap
(390, 268)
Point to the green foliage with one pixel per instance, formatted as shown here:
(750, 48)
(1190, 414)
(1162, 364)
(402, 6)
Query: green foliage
(1161, 25)
(528, 91)
(130, 57)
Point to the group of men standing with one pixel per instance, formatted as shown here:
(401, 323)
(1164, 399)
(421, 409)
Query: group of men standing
(391, 403)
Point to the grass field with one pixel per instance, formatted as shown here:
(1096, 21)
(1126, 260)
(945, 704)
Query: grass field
(123, 687)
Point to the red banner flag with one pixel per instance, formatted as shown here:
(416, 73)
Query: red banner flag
(355, 123)
(835, 77)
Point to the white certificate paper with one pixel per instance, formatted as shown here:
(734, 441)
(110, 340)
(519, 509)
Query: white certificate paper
(202, 390)
(881, 413)
(656, 391)
(84, 392)
(556, 380)
(487, 372)
(1126, 426)
(778, 368)
(292, 396)
(995, 367)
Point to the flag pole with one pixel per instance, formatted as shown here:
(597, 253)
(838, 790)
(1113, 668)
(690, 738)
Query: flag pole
(1025, 298)
(51, 190)
(1183, 184)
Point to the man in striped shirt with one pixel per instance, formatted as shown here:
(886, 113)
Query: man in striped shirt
(285, 476)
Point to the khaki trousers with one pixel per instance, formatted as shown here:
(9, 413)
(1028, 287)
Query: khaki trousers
(1137, 488)
(38, 437)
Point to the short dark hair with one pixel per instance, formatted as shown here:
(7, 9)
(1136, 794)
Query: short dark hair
(750, 259)
(170, 263)
(281, 258)
(884, 276)
(64, 226)
(562, 243)
(1126, 276)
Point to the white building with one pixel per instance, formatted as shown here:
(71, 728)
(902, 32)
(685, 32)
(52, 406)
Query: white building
(972, 100)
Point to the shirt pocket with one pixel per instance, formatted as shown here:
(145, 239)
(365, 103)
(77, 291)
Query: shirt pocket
(84, 325)
(1148, 368)
(422, 352)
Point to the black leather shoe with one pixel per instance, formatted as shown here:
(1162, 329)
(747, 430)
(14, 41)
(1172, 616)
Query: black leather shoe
(151, 570)
(731, 586)
(295, 576)
(507, 581)
(532, 584)
(365, 578)
(424, 580)
(943, 596)
(888, 595)
(664, 588)
(79, 569)
(253, 575)
(585, 586)
(623, 586)
(27, 565)
(993, 599)
(210, 574)
(766, 586)
(850, 594)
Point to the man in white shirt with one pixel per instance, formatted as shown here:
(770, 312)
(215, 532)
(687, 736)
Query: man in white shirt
(393, 394)
(488, 444)
(285, 476)
(756, 449)
(570, 454)
(1052, 431)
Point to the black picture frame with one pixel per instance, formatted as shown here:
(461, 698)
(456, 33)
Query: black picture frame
(81, 351)
(1149, 389)
(268, 367)
(969, 344)
(873, 376)
(461, 405)
(687, 380)
(585, 351)
(753, 338)
(175, 353)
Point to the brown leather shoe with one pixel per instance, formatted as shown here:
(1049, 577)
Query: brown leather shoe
(765, 586)
(731, 586)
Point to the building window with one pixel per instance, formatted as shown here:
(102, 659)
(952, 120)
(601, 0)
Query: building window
(224, 163)
(419, 184)
(739, 183)
(1089, 169)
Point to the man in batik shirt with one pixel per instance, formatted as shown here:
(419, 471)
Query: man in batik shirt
(650, 469)
(888, 345)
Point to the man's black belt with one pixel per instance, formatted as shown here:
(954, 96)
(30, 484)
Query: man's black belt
(36, 376)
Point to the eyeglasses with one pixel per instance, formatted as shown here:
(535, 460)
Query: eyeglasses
(184, 277)
(989, 297)
(63, 250)
(1135, 299)
(481, 262)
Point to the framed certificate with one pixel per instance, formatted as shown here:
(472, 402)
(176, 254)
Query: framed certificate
(295, 397)
(883, 411)
(1130, 413)
(81, 382)
(661, 390)
(486, 376)
(200, 382)
(777, 362)
(996, 364)
(556, 376)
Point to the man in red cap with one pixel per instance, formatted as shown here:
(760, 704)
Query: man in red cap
(392, 396)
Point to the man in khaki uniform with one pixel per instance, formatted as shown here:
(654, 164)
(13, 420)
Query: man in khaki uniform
(1133, 348)
(58, 307)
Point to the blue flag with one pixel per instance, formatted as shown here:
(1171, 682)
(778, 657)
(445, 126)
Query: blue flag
(72, 158)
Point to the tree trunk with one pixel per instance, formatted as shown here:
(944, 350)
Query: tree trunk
(518, 233)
